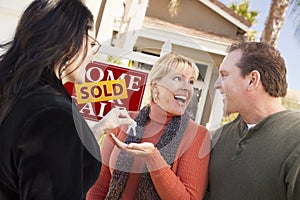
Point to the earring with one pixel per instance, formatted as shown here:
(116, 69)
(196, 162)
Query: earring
(63, 69)
(155, 97)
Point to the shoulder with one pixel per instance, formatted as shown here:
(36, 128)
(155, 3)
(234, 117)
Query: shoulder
(196, 132)
(291, 116)
(292, 162)
(43, 102)
(197, 128)
(39, 110)
(47, 100)
(53, 121)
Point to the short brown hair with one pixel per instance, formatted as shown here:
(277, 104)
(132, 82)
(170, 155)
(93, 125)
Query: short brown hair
(268, 61)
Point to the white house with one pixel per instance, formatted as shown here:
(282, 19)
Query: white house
(142, 30)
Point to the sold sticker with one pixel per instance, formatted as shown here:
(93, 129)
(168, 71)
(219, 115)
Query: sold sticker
(101, 91)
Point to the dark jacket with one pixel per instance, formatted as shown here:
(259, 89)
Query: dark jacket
(42, 155)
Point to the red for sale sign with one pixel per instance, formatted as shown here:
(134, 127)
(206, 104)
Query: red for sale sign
(108, 86)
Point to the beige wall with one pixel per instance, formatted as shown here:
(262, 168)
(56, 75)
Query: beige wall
(193, 14)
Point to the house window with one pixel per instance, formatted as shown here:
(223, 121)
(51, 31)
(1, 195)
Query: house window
(145, 66)
(202, 71)
(193, 105)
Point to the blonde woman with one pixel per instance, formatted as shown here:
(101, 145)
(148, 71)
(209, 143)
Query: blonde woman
(167, 156)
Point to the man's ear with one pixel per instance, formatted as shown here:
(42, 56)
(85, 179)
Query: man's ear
(254, 79)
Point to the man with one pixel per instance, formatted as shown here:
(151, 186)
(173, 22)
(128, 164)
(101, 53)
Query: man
(257, 156)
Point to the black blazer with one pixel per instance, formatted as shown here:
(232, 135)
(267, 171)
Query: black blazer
(42, 151)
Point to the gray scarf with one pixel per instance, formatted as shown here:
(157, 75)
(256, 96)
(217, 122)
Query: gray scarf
(167, 145)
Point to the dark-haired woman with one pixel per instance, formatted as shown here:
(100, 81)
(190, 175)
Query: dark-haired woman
(47, 151)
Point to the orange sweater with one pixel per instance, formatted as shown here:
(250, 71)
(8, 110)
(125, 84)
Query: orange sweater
(186, 180)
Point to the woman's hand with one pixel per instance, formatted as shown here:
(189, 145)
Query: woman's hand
(141, 149)
(115, 118)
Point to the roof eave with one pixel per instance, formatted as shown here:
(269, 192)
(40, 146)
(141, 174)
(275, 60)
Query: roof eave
(234, 18)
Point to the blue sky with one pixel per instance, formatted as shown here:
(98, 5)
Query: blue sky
(288, 46)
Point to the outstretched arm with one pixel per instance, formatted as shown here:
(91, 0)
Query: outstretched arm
(115, 118)
(188, 179)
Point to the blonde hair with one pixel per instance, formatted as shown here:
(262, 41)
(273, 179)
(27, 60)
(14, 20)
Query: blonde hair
(165, 65)
(169, 62)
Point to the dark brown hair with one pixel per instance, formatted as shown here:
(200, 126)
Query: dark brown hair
(49, 33)
(268, 61)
